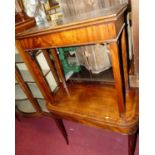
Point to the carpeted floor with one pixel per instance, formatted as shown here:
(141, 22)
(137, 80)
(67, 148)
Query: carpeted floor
(39, 136)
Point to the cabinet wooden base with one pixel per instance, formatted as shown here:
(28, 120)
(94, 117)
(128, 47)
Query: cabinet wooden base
(96, 105)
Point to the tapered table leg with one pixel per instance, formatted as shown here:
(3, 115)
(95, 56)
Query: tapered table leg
(124, 59)
(132, 143)
(61, 127)
(116, 65)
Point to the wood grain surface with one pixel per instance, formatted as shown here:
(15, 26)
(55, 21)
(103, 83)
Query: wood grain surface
(97, 105)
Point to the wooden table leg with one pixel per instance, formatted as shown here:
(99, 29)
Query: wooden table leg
(124, 59)
(61, 127)
(132, 143)
(116, 65)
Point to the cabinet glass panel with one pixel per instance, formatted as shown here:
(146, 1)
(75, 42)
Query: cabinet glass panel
(18, 58)
(19, 94)
(87, 63)
(42, 63)
(25, 106)
(51, 81)
(35, 91)
(27, 77)
(42, 104)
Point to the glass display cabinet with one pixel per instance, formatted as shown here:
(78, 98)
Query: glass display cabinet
(88, 59)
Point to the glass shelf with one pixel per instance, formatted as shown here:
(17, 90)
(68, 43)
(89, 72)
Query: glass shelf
(86, 76)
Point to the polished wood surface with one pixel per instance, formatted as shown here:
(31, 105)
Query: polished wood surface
(113, 108)
(114, 51)
(96, 104)
(97, 30)
(23, 22)
(106, 29)
(124, 58)
(106, 15)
